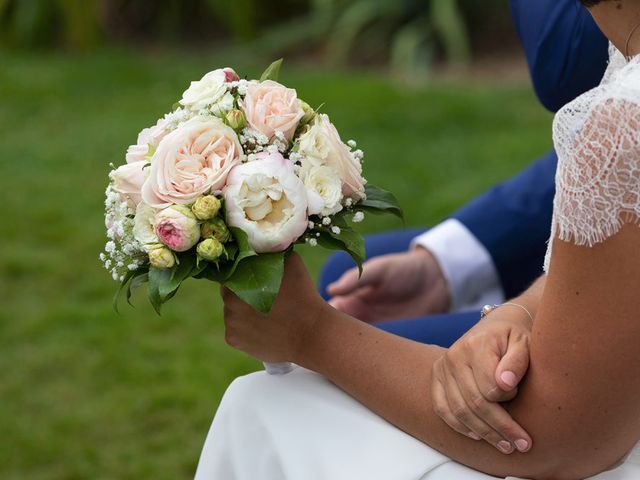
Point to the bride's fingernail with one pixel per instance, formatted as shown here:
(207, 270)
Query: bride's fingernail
(509, 378)
(505, 447)
(522, 445)
(474, 436)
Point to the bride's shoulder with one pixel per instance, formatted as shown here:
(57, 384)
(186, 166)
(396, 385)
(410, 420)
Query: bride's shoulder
(597, 124)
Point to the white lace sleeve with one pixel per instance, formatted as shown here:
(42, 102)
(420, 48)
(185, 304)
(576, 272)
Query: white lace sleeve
(597, 139)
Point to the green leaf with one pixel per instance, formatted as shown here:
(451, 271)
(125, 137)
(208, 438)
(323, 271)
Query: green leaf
(257, 280)
(140, 278)
(158, 278)
(231, 250)
(244, 249)
(215, 273)
(380, 201)
(352, 240)
(179, 273)
(272, 72)
(121, 288)
(348, 240)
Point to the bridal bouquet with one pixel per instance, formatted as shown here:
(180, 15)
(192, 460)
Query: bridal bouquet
(226, 183)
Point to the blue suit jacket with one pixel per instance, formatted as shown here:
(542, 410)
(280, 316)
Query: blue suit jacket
(567, 55)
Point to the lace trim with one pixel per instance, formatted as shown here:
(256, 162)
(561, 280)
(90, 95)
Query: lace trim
(597, 139)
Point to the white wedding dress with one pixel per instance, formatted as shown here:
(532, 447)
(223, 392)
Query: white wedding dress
(301, 427)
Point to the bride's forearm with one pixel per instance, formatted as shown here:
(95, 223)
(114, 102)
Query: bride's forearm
(584, 337)
(392, 377)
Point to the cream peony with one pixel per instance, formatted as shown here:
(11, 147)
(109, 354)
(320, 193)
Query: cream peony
(128, 180)
(324, 188)
(268, 201)
(191, 161)
(209, 90)
(321, 146)
(270, 107)
(147, 137)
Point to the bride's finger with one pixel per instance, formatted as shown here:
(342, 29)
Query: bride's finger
(491, 413)
(465, 415)
(441, 407)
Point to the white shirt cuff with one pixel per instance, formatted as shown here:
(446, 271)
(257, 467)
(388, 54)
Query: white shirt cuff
(466, 264)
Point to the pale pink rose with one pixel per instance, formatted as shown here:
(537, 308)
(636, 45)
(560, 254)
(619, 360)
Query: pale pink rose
(321, 146)
(268, 202)
(148, 136)
(191, 161)
(128, 180)
(270, 107)
(177, 228)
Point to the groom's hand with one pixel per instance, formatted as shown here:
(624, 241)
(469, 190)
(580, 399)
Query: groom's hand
(482, 369)
(394, 286)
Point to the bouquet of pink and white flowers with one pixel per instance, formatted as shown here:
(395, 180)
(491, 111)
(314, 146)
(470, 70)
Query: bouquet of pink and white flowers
(225, 184)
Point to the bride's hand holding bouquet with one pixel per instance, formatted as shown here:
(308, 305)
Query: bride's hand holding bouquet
(286, 333)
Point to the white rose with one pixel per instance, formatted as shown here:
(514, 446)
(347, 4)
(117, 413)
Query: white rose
(321, 145)
(324, 188)
(144, 226)
(223, 106)
(128, 180)
(206, 91)
(191, 161)
(268, 202)
(147, 137)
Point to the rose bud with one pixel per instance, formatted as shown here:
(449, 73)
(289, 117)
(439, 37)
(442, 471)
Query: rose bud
(309, 112)
(206, 207)
(217, 229)
(230, 75)
(161, 257)
(235, 119)
(210, 249)
(177, 228)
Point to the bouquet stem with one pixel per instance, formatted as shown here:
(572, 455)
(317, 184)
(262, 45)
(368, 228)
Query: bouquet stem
(278, 368)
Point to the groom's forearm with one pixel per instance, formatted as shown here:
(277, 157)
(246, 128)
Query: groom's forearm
(392, 377)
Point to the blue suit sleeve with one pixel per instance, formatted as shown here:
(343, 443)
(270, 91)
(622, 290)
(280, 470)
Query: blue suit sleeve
(513, 221)
(566, 52)
(567, 55)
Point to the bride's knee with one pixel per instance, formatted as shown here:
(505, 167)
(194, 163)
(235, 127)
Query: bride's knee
(243, 391)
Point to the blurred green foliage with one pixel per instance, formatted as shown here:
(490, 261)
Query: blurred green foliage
(405, 34)
(86, 393)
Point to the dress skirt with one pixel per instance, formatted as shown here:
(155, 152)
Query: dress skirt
(302, 427)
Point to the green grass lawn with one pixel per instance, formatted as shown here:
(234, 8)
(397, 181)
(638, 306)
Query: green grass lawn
(85, 393)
